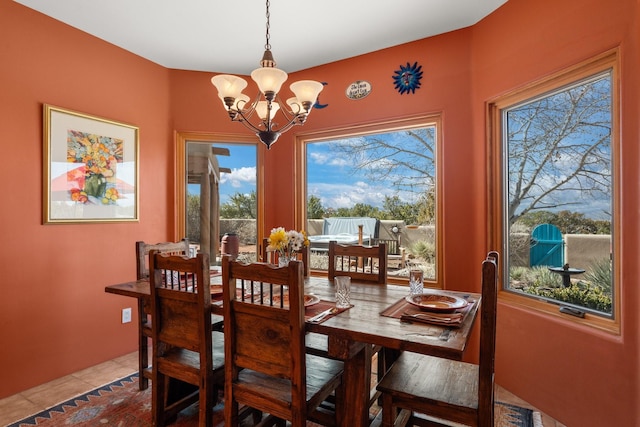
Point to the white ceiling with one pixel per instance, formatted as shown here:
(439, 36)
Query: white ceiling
(229, 36)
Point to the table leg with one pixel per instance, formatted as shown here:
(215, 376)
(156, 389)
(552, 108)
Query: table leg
(357, 379)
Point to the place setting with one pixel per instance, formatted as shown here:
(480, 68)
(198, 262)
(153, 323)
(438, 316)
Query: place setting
(327, 309)
(430, 306)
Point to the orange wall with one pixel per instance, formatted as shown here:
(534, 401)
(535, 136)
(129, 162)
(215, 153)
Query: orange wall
(55, 317)
(578, 376)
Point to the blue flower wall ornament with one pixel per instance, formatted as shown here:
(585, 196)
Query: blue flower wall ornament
(407, 79)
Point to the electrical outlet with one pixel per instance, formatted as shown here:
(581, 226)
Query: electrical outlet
(126, 315)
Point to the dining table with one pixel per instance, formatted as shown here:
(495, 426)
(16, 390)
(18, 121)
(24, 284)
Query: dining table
(378, 316)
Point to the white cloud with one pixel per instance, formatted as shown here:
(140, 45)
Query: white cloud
(347, 195)
(326, 159)
(239, 177)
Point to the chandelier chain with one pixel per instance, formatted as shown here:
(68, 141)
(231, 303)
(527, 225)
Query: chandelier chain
(267, 103)
(267, 45)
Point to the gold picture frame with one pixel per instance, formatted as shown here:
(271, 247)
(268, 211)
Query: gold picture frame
(90, 168)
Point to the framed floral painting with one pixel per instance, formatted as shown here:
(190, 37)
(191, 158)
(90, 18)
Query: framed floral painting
(90, 168)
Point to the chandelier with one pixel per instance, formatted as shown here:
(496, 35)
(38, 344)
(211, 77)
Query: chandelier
(267, 103)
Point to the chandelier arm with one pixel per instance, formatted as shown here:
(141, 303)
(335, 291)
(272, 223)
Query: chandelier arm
(293, 122)
(249, 109)
(292, 117)
(269, 80)
(245, 120)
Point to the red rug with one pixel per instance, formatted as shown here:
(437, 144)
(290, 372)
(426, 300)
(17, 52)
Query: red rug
(121, 404)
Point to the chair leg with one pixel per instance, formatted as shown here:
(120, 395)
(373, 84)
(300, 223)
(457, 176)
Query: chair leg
(143, 348)
(231, 408)
(388, 411)
(159, 400)
(206, 404)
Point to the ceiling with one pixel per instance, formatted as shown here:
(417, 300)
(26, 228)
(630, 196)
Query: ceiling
(229, 36)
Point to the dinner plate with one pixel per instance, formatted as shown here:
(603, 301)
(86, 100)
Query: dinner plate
(436, 302)
(308, 300)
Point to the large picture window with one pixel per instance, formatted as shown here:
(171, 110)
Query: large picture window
(377, 184)
(555, 155)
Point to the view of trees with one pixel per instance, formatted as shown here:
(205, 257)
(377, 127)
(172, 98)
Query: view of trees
(420, 212)
(403, 160)
(240, 206)
(559, 149)
(568, 222)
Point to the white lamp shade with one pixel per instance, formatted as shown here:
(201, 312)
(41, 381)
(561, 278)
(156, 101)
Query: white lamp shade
(269, 79)
(228, 86)
(294, 105)
(306, 90)
(261, 109)
(242, 99)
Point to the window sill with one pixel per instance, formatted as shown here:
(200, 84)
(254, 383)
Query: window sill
(611, 326)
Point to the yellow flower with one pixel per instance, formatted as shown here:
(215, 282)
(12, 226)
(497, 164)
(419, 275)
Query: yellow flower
(287, 242)
(278, 239)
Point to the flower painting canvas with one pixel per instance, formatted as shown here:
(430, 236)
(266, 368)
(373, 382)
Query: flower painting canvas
(90, 168)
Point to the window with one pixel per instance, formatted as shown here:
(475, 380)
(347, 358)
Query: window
(218, 193)
(554, 150)
(383, 177)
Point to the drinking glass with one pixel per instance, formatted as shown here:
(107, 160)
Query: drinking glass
(343, 290)
(416, 282)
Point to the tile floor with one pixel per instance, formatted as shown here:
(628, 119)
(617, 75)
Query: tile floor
(28, 402)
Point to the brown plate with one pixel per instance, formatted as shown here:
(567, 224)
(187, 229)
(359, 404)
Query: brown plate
(436, 302)
(308, 300)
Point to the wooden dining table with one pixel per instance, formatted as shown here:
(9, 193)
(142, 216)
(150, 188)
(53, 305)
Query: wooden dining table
(352, 332)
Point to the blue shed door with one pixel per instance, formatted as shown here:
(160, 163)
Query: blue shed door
(547, 246)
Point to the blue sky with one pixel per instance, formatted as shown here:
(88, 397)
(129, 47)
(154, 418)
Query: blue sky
(330, 177)
(242, 179)
(338, 184)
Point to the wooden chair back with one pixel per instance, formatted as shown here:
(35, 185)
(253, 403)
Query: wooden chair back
(143, 249)
(144, 326)
(182, 331)
(262, 333)
(272, 257)
(488, 321)
(361, 263)
(265, 361)
(181, 301)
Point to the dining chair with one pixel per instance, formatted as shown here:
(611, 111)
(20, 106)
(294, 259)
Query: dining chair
(442, 389)
(362, 263)
(144, 326)
(271, 257)
(266, 366)
(185, 346)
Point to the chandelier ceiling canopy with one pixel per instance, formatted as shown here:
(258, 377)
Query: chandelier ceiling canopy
(267, 103)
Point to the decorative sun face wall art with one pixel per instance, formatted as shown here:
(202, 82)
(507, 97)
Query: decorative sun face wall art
(407, 78)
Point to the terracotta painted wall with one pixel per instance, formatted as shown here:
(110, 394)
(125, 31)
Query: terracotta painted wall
(55, 317)
(580, 377)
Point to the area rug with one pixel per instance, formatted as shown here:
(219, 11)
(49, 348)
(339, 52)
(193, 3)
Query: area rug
(121, 404)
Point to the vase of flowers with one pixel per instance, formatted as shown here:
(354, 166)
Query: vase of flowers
(287, 244)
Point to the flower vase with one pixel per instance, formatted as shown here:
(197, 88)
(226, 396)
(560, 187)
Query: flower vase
(283, 260)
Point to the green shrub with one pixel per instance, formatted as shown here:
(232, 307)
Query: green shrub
(591, 293)
(600, 274)
(424, 250)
